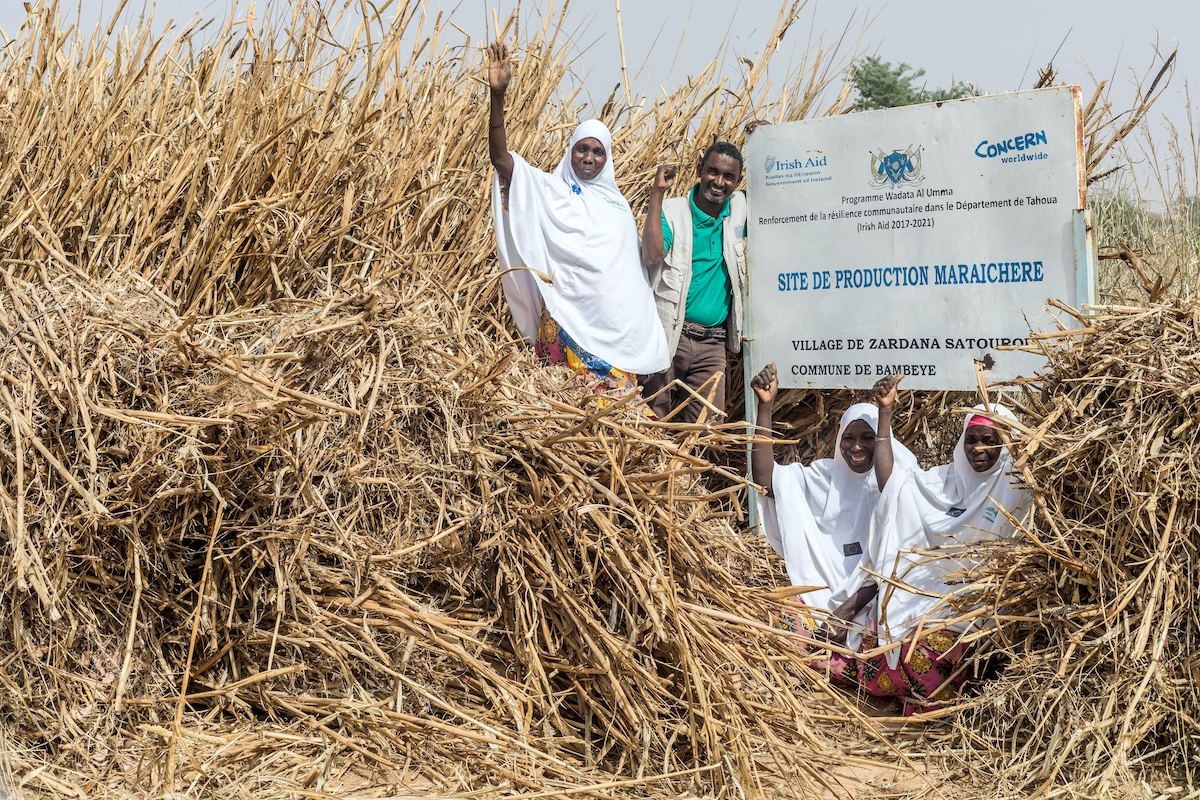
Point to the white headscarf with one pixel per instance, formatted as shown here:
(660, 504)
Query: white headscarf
(949, 507)
(820, 516)
(582, 235)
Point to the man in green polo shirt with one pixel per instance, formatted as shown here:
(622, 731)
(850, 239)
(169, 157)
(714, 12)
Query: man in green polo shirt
(694, 249)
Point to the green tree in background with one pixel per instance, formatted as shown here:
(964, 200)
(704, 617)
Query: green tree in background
(879, 85)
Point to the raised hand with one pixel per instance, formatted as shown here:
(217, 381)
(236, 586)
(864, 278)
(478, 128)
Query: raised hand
(766, 384)
(499, 70)
(665, 177)
(884, 390)
(754, 125)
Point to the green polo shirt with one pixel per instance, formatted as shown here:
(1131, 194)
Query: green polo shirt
(708, 294)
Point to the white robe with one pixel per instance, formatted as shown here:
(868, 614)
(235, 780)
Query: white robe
(820, 516)
(582, 236)
(950, 508)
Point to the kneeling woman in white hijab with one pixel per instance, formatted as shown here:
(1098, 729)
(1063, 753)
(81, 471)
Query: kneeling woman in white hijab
(817, 517)
(921, 534)
(568, 250)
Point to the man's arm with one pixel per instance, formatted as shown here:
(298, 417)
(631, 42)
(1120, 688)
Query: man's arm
(653, 249)
(499, 74)
(762, 455)
(885, 395)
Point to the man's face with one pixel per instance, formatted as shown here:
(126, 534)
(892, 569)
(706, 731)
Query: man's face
(858, 446)
(719, 175)
(588, 158)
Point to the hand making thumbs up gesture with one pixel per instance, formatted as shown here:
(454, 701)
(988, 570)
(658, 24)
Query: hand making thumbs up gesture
(884, 390)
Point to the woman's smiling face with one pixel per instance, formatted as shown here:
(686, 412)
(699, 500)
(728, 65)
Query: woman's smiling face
(858, 446)
(588, 158)
(982, 447)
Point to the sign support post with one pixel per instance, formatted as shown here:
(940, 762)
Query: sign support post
(751, 423)
(1085, 259)
(750, 401)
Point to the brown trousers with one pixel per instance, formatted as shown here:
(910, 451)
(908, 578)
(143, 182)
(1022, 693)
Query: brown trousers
(695, 361)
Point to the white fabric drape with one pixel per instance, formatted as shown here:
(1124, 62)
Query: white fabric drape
(949, 507)
(820, 516)
(582, 235)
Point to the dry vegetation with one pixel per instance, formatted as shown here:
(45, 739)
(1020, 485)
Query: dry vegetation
(281, 497)
(286, 512)
(1098, 605)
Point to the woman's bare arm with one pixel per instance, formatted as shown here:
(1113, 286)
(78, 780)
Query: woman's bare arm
(834, 630)
(885, 396)
(762, 454)
(499, 74)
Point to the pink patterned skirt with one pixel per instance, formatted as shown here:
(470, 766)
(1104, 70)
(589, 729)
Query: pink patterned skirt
(555, 346)
(932, 674)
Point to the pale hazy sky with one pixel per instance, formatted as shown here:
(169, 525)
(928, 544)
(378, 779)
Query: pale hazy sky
(998, 46)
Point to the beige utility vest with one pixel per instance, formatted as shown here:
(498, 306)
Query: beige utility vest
(671, 279)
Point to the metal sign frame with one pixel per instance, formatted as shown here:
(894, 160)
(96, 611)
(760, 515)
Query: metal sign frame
(1086, 293)
(985, 212)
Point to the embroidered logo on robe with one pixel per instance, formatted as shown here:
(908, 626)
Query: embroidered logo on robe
(852, 549)
(990, 513)
(955, 511)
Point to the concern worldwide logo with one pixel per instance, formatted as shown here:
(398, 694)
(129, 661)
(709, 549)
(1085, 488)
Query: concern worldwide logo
(770, 163)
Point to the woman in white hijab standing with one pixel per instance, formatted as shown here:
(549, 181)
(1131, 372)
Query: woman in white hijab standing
(921, 534)
(568, 250)
(817, 517)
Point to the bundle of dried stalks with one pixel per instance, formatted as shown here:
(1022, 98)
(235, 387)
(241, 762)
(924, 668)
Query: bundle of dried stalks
(398, 541)
(256, 165)
(1099, 610)
(280, 495)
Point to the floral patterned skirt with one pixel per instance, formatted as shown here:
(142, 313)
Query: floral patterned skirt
(555, 346)
(932, 674)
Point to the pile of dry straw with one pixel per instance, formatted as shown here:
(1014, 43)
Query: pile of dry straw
(1099, 606)
(281, 496)
(286, 510)
(407, 541)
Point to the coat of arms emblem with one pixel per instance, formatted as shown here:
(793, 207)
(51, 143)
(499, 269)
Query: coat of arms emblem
(897, 168)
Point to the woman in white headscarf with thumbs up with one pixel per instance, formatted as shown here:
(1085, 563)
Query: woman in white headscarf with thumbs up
(817, 516)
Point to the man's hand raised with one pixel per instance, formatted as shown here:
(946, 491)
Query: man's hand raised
(665, 177)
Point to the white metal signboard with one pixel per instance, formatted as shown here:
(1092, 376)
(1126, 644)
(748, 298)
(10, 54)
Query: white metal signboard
(914, 239)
